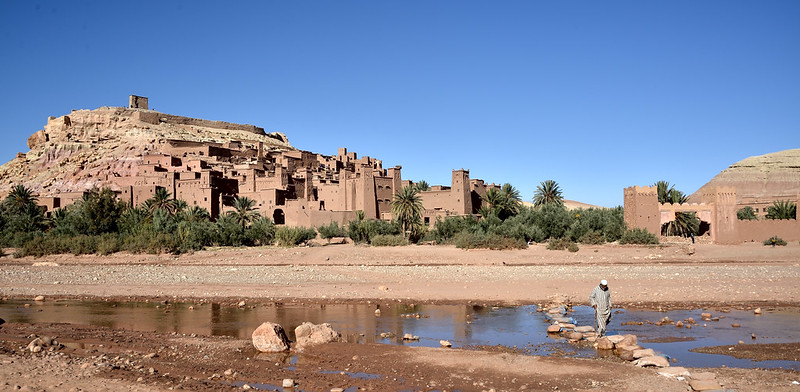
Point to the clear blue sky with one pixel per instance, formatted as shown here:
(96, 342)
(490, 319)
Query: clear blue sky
(597, 95)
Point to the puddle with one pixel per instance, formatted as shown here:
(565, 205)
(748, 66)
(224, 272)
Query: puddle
(519, 327)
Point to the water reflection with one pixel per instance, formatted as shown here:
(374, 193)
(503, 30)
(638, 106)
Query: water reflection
(463, 325)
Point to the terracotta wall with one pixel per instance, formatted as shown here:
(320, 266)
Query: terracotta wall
(760, 230)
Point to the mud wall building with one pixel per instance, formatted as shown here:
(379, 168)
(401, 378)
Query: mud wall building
(717, 214)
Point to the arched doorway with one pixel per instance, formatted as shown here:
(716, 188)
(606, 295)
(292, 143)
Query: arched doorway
(278, 217)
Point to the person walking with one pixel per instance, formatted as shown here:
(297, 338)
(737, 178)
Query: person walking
(600, 300)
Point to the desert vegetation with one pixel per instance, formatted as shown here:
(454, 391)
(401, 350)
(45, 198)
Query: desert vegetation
(685, 223)
(100, 223)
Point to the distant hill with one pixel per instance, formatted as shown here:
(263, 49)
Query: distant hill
(770, 176)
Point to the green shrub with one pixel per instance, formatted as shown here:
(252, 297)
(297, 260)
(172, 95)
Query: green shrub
(332, 230)
(196, 235)
(639, 237)
(261, 232)
(572, 247)
(592, 237)
(361, 231)
(558, 243)
(775, 240)
(108, 243)
(782, 209)
(388, 240)
(292, 236)
(466, 240)
(746, 213)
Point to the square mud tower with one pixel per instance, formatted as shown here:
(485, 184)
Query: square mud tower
(137, 102)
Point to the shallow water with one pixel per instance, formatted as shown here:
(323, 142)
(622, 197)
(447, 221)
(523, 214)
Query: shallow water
(463, 325)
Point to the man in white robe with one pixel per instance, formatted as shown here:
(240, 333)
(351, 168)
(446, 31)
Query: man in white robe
(601, 302)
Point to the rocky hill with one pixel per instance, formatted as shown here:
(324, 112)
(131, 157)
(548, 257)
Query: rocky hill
(770, 176)
(87, 147)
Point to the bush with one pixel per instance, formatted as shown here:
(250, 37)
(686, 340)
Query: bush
(572, 247)
(466, 240)
(361, 231)
(261, 232)
(746, 213)
(558, 244)
(196, 235)
(292, 236)
(638, 237)
(592, 238)
(332, 230)
(775, 240)
(108, 243)
(389, 240)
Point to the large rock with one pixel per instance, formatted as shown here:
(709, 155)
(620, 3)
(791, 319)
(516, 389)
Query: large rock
(555, 328)
(38, 138)
(645, 352)
(605, 344)
(574, 335)
(653, 360)
(309, 334)
(584, 328)
(616, 339)
(270, 338)
(628, 340)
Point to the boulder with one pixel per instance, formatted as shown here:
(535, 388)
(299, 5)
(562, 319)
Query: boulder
(308, 334)
(584, 328)
(705, 315)
(757, 311)
(555, 328)
(616, 339)
(574, 335)
(270, 338)
(628, 340)
(39, 298)
(445, 343)
(626, 355)
(654, 360)
(566, 325)
(645, 352)
(704, 385)
(604, 344)
(38, 138)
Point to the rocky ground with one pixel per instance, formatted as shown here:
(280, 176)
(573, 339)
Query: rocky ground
(95, 358)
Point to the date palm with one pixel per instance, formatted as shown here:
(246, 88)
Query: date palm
(20, 198)
(422, 186)
(407, 209)
(244, 211)
(548, 192)
(161, 200)
(195, 214)
(782, 209)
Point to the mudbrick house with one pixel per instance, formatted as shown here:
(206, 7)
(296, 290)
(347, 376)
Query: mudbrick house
(136, 151)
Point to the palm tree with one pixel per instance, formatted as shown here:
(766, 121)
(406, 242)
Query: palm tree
(20, 197)
(511, 199)
(196, 214)
(244, 211)
(422, 186)
(407, 209)
(668, 194)
(684, 224)
(746, 213)
(782, 209)
(493, 199)
(161, 200)
(547, 192)
(663, 189)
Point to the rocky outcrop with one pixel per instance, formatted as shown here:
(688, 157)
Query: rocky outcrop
(773, 175)
(89, 148)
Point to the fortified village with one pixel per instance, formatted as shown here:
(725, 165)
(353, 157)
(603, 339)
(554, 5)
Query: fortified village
(134, 151)
(755, 182)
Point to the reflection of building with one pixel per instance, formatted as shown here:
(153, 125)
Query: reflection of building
(292, 187)
(716, 211)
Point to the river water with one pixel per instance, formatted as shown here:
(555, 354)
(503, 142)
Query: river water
(463, 325)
